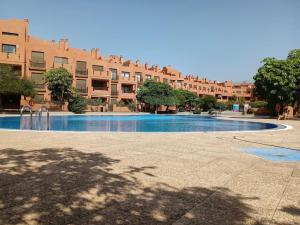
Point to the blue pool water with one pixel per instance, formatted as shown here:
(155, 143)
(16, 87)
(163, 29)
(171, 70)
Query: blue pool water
(139, 123)
(275, 154)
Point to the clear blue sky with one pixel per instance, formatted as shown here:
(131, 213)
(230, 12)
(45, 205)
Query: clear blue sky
(213, 38)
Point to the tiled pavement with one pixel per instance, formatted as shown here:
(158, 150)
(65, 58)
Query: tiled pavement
(144, 178)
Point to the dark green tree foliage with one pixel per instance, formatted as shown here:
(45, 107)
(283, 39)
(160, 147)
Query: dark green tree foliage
(275, 82)
(77, 104)
(186, 99)
(11, 83)
(157, 94)
(59, 83)
(209, 102)
(294, 60)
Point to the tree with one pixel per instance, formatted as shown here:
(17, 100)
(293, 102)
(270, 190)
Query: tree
(156, 94)
(186, 99)
(275, 82)
(294, 60)
(11, 83)
(77, 104)
(209, 102)
(59, 83)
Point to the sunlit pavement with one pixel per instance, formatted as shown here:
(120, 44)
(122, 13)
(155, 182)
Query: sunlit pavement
(147, 178)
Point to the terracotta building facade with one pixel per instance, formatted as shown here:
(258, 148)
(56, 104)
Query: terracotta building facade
(111, 78)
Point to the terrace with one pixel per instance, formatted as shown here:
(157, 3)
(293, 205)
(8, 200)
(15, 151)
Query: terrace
(153, 179)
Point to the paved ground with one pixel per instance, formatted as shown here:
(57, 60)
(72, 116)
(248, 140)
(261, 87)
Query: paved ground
(143, 178)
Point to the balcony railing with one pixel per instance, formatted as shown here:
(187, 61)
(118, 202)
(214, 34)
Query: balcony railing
(100, 88)
(58, 65)
(101, 74)
(114, 93)
(127, 92)
(82, 72)
(115, 78)
(39, 86)
(38, 64)
(82, 90)
(9, 55)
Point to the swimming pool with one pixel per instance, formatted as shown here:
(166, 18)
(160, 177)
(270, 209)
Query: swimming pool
(133, 123)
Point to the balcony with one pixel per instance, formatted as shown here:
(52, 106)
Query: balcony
(9, 56)
(101, 75)
(129, 80)
(100, 91)
(128, 94)
(81, 72)
(37, 65)
(39, 86)
(59, 65)
(114, 78)
(82, 90)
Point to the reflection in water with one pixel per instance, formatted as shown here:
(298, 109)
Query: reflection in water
(34, 123)
(143, 123)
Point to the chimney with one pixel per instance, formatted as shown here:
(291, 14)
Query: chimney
(121, 60)
(95, 53)
(63, 44)
(146, 66)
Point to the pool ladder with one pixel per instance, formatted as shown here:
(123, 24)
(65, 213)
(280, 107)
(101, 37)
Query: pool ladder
(26, 108)
(39, 114)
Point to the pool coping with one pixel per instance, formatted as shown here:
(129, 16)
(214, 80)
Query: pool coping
(286, 126)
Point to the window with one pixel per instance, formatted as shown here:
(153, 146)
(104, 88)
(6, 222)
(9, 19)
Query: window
(38, 79)
(125, 74)
(98, 68)
(81, 66)
(114, 89)
(138, 77)
(60, 60)
(165, 80)
(81, 86)
(126, 89)
(9, 33)
(37, 56)
(9, 48)
(148, 77)
(113, 74)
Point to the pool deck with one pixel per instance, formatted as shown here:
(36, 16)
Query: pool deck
(148, 178)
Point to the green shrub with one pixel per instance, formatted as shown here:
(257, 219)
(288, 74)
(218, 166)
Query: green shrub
(221, 106)
(181, 109)
(209, 102)
(258, 104)
(95, 101)
(211, 111)
(121, 103)
(197, 111)
(132, 106)
(77, 104)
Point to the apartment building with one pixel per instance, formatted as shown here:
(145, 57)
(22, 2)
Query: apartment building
(111, 78)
